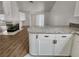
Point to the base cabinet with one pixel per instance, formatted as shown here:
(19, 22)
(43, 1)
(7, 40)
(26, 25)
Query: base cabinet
(33, 44)
(50, 44)
(46, 47)
(75, 48)
(63, 45)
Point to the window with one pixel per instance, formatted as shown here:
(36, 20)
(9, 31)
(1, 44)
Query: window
(40, 20)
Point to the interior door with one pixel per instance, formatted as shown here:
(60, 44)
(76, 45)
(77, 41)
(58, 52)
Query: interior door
(63, 45)
(46, 46)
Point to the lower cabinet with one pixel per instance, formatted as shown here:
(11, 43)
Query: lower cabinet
(75, 47)
(63, 45)
(50, 44)
(46, 47)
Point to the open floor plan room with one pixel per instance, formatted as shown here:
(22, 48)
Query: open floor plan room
(39, 28)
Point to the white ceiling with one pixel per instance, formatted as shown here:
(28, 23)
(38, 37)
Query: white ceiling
(36, 6)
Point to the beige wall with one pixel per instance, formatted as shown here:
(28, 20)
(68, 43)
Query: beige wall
(33, 20)
(61, 12)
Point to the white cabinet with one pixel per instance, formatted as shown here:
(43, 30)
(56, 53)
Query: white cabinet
(63, 45)
(76, 13)
(46, 46)
(33, 44)
(11, 11)
(50, 44)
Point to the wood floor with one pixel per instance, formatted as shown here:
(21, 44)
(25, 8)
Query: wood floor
(14, 45)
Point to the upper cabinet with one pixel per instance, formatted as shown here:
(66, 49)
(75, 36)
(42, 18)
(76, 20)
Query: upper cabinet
(11, 11)
(76, 12)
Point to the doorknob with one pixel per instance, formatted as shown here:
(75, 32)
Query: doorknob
(54, 41)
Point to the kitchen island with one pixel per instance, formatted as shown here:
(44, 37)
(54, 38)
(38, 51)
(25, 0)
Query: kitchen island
(52, 41)
(14, 44)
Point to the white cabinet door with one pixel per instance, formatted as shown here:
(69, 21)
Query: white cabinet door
(46, 46)
(50, 44)
(33, 44)
(63, 45)
(11, 11)
(75, 48)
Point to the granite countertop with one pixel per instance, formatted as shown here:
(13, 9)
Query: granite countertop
(10, 33)
(51, 30)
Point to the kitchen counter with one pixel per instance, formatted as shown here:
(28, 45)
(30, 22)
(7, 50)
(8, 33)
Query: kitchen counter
(51, 30)
(10, 33)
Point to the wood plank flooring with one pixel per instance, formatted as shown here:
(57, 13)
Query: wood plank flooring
(14, 45)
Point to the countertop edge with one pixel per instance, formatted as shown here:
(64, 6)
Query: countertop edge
(11, 33)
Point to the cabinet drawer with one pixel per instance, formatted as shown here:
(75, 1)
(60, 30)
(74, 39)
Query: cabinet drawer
(46, 36)
(63, 36)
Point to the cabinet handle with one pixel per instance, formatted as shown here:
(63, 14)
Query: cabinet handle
(36, 36)
(54, 41)
(46, 36)
(64, 36)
